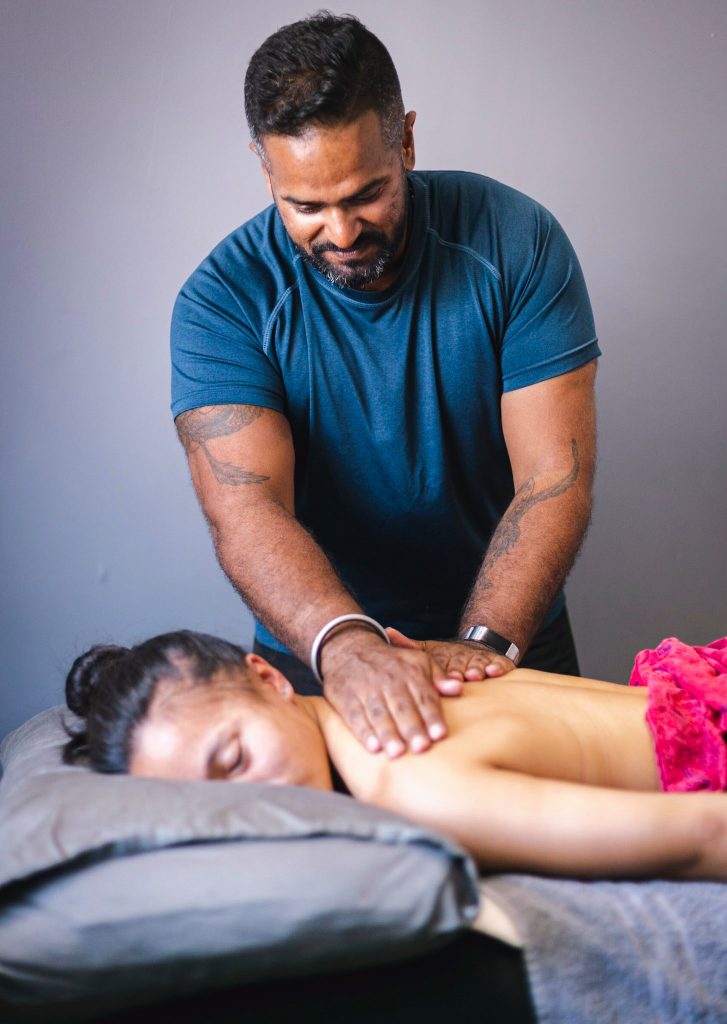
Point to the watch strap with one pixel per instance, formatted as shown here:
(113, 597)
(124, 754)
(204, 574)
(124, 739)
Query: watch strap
(489, 638)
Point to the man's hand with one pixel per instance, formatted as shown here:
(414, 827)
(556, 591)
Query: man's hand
(388, 696)
(459, 659)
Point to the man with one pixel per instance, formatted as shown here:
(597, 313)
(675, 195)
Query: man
(384, 385)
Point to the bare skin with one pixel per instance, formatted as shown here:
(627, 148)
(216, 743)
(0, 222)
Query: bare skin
(342, 195)
(539, 772)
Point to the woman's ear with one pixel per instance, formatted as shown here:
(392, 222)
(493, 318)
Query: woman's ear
(270, 676)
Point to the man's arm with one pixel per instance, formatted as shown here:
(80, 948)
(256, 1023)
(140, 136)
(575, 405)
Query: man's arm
(241, 459)
(550, 432)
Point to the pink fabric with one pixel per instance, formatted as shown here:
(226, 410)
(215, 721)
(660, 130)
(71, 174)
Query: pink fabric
(687, 712)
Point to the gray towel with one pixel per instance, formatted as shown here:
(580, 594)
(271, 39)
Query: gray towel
(621, 952)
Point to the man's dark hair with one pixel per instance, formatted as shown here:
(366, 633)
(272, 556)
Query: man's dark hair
(322, 70)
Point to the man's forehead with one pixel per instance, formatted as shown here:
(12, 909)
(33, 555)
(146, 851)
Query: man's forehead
(341, 158)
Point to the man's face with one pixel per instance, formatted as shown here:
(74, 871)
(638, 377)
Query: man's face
(342, 195)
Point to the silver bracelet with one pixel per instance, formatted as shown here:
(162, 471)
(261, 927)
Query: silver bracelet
(322, 636)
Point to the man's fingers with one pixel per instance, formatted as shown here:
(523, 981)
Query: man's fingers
(467, 663)
(398, 639)
(405, 715)
(394, 705)
(473, 663)
(430, 709)
(400, 717)
(449, 686)
(500, 666)
(445, 683)
(354, 715)
(388, 731)
(372, 722)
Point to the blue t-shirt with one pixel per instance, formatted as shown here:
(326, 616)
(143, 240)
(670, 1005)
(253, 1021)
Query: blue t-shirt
(393, 397)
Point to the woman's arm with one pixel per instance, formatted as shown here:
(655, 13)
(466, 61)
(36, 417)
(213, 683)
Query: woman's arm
(514, 822)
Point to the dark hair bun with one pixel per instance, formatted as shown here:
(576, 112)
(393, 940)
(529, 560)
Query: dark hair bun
(88, 672)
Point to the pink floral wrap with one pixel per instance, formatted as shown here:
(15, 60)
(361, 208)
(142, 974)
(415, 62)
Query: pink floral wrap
(687, 712)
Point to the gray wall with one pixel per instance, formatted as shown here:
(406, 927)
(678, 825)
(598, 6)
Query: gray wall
(124, 150)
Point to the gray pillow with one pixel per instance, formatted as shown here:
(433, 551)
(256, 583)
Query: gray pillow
(117, 890)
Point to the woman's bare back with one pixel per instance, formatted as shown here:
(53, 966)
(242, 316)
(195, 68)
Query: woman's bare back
(557, 727)
(537, 723)
(545, 774)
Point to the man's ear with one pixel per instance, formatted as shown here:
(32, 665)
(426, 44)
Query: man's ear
(270, 676)
(255, 149)
(408, 154)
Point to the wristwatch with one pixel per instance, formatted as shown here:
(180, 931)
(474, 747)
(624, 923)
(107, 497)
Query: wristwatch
(489, 638)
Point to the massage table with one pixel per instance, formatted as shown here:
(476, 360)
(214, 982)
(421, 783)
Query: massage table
(125, 899)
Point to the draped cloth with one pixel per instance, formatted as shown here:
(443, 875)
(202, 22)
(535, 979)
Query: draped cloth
(687, 712)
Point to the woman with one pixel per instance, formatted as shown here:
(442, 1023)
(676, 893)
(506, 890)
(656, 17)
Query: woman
(540, 773)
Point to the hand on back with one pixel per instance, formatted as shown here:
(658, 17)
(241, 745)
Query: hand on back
(465, 660)
(388, 696)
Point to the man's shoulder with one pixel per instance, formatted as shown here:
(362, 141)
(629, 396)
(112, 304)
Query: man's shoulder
(485, 215)
(252, 262)
(468, 187)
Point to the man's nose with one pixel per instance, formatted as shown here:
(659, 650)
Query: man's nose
(342, 228)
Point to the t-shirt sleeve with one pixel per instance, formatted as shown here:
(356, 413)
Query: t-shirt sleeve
(550, 328)
(217, 352)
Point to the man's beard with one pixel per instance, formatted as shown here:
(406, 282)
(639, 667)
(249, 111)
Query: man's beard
(366, 271)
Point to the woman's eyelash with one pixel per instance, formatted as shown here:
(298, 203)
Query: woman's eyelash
(231, 760)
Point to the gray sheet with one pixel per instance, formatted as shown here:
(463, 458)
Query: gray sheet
(620, 952)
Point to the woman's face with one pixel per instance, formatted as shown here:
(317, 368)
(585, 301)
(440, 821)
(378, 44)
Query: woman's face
(243, 725)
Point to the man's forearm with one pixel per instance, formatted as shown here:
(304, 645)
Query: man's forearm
(242, 460)
(281, 573)
(386, 696)
(531, 553)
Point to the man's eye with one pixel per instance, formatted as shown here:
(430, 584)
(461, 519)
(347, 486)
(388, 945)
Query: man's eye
(370, 197)
(309, 210)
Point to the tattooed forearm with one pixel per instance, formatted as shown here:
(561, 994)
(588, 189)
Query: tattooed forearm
(507, 534)
(198, 426)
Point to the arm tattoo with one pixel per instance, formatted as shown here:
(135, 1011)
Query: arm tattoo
(507, 533)
(198, 426)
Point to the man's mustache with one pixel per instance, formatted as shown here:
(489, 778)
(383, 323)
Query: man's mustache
(366, 238)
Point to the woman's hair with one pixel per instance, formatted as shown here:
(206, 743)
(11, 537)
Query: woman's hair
(111, 688)
(324, 69)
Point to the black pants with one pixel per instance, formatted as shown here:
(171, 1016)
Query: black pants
(552, 650)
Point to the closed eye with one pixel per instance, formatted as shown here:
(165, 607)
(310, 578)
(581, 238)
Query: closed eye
(362, 200)
(308, 209)
(228, 760)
